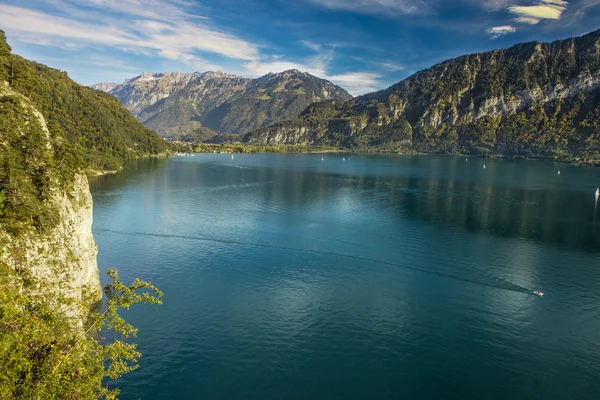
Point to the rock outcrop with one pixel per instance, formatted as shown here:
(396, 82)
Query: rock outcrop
(176, 104)
(62, 258)
(486, 102)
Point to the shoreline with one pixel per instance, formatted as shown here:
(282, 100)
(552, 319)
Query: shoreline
(284, 149)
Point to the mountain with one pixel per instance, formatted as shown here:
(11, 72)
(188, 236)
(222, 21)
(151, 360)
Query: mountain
(175, 104)
(105, 86)
(532, 98)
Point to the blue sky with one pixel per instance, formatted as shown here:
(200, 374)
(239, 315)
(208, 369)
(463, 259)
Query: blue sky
(362, 45)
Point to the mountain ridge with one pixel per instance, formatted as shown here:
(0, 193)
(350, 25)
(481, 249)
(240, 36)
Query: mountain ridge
(176, 104)
(473, 103)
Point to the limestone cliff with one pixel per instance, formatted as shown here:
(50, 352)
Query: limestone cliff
(44, 214)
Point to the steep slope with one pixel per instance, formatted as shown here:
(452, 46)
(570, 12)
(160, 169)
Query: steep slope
(49, 282)
(533, 98)
(176, 104)
(45, 207)
(102, 132)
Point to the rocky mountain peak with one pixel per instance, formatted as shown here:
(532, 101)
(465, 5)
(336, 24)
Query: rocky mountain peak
(174, 104)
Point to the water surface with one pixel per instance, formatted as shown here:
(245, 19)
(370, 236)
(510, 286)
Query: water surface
(292, 277)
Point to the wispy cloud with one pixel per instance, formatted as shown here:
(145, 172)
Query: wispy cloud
(381, 7)
(172, 35)
(357, 83)
(545, 9)
(390, 66)
(495, 5)
(498, 31)
(311, 45)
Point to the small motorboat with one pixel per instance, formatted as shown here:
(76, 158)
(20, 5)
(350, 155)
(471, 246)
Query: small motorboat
(598, 192)
(538, 293)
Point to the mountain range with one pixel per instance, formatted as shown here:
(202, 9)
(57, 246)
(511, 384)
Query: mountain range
(198, 105)
(532, 98)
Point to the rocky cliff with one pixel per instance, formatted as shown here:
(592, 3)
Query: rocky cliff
(45, 214)
(534, 97)
(176, 104)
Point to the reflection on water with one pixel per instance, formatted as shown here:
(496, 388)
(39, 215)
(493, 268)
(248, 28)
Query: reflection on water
(349, 312)
(507, 199)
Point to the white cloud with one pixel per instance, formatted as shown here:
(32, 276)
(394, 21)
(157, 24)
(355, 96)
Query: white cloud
(390, 66)
(382, 7)
(177, 37)
(311, 45)
(498, 31)
(528, 20)
(167, 30)
(545, 9)
(357, 83)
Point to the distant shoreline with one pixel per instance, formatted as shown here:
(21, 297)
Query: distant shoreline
(243, 148)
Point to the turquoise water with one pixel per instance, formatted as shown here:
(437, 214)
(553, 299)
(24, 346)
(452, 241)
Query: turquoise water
(288, 277)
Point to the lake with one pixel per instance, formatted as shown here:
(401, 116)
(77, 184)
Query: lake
(310, 277)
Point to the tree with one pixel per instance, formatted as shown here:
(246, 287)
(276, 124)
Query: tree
(44, 356)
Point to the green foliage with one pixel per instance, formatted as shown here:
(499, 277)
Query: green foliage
(477, 103)
(44, 356)
(100, 129)
(245, 148)
(26, 169)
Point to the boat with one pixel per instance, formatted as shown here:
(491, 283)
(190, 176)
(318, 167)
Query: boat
(232, 156)
(598, 192)
(559, 172)
(483, 166)
(322, 159)
(538, 293)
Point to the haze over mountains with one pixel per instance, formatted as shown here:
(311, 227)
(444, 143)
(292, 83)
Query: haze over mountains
(177, 104)
(533, 98)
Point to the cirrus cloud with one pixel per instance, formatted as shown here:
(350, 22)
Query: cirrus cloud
(379, 7)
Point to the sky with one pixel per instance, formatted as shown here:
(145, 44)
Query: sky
(361, 45)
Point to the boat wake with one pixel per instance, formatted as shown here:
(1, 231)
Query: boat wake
(495, 282)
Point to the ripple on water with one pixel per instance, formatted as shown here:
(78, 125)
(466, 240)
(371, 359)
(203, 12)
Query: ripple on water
(285, 277)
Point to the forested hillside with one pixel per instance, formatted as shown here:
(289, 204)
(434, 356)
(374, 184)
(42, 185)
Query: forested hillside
(49, 281)
(102, 132)
(533, 98)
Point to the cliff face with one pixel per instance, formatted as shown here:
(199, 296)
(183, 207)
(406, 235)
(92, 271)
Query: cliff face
(470, 104)
(175, 104)
(44, 215)
(63, 261)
